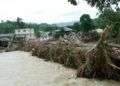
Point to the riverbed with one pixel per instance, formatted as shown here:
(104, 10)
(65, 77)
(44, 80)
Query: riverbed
(20, 68)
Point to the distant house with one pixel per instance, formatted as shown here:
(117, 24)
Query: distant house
(67, 29)
(61, 32)
(27, 33)
(63, 29)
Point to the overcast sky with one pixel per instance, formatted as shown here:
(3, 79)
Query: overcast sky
(46, 11)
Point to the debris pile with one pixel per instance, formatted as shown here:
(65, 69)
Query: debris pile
(103, 61)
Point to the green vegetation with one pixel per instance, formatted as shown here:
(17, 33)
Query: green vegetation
(100, 4)
(76, 27)
(10, 26)
(111, 18)
(86, 23)
(103, 60)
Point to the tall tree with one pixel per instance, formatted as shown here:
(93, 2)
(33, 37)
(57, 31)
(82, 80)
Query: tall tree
(86, 23)
(76, 26)
(74, 2)
(102, 61)
(107, 17)
(20, 23)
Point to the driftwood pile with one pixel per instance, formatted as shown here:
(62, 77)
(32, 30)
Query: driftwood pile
(103, 61)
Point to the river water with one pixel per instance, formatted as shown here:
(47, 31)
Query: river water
(19, 68)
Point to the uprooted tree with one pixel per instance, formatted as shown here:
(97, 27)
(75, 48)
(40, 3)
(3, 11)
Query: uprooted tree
(103, 61)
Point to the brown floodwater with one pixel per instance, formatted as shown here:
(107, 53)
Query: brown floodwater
(19, 68)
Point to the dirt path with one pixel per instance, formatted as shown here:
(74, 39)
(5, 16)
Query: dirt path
(21, 69)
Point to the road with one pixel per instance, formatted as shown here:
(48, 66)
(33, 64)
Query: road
(20, 68)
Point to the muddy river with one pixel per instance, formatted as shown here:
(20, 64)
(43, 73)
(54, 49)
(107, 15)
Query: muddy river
(19, 68)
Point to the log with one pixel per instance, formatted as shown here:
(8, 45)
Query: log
(114, 45)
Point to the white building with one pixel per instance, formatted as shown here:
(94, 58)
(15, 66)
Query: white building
(28, 33)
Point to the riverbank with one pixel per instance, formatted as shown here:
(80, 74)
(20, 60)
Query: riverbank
(20, 68)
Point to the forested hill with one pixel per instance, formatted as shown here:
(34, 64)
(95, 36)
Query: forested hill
(10, 26)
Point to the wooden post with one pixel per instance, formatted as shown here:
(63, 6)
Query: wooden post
(10, 43)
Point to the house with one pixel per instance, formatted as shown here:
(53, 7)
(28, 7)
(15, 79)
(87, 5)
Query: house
(61, 32)
(27, 33)
(66, 29)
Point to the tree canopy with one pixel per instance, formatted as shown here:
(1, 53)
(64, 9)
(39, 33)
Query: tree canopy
(100, 4)
(111, 18)
(86, 23)
(74, 2)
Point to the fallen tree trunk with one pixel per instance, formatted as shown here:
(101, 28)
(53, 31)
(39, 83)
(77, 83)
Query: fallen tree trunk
(114, 45)
(103, 61)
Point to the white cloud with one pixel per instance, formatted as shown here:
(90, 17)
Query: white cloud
(49, 11)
